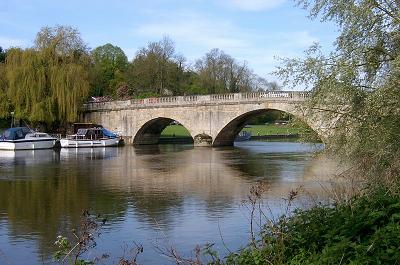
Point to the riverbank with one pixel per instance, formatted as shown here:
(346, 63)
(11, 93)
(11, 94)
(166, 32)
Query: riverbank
(364, 230)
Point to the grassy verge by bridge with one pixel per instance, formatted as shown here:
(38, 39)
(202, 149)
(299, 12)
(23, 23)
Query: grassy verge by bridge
(175, 131)
(267, 129)
(364, 230)
(272, 129)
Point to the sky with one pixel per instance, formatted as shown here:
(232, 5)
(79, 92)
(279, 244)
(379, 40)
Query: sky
(255, 31)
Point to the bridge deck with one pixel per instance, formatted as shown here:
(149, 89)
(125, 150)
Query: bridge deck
(215, 99)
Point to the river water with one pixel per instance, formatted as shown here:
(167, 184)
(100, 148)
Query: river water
(157, 196)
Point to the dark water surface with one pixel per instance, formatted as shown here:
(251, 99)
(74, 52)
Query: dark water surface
(158, 196)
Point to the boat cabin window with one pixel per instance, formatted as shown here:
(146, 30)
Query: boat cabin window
(91, 134)
(81, 132)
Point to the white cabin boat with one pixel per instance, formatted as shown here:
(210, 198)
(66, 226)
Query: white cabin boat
(90, 137)
(23, 138)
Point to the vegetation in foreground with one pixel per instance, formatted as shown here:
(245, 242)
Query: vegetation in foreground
(358, 85)
(363, 231)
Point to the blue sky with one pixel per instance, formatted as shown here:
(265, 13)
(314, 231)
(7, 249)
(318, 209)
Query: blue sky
(256, 31)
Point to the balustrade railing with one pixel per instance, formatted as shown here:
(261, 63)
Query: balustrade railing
(200, 99)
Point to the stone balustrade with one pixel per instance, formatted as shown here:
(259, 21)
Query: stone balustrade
(199, 100)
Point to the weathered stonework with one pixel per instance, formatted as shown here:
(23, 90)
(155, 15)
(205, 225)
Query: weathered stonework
(221, 117)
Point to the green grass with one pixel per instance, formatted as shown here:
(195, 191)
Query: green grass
(268, 129)
(272, 129)
(175, 130)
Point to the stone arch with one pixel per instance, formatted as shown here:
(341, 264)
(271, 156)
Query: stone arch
(150, 131)
(228, 133)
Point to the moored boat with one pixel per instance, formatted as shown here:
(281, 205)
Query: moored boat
(23, 138)
(90, 137)
(243, 136)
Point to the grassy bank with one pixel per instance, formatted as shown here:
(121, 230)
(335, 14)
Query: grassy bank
(363, 231)
(175, 131)
(272, 129)
(268, 129)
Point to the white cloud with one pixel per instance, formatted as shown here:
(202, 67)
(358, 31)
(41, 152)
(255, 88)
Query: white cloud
(253, 5)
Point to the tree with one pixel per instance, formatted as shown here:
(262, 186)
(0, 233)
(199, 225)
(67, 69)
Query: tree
(359, 81)
(262, 84)
(49, 82)
(220, 73)
(109, 66)
(157, 69)
(4, 100)
(62, 40)
(3, 55)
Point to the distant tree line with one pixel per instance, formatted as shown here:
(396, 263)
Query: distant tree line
(50, 80)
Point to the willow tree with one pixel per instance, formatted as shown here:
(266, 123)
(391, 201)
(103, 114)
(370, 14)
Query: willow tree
(49, 82)
(4, 101)
(359, 81)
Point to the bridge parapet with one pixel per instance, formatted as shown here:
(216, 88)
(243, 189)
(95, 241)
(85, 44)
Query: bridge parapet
(198, 100)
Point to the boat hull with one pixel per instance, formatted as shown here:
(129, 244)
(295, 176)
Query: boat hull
(27, 144)
(71, 143)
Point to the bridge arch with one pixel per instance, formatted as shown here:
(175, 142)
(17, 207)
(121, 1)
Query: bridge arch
(228, 133)
(150, 131)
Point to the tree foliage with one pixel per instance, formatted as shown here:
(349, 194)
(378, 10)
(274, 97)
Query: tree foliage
(4, 101)
(157, 69)
(109, 67)
(3, 55)
(5, 107)
(364, 232)
(221, 73)
(358, 81)
(49, 82)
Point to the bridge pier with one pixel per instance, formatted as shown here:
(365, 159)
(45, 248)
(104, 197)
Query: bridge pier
(202, 140)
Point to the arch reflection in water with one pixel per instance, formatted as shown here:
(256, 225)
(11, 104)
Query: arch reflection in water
(185, 190)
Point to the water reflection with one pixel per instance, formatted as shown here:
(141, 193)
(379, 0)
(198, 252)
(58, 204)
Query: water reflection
(43, 192)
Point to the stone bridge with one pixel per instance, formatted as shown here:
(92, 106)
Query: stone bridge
(212, 120)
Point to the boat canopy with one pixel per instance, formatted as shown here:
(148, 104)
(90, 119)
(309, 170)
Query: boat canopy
(15, 133)
(108, 133)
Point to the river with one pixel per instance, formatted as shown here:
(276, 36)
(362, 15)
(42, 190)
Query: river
(156, 196)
